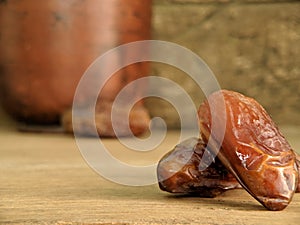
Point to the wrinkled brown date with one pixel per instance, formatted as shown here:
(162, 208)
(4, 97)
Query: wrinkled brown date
(253, 149)
(178, 171)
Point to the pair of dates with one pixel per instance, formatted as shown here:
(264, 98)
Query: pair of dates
(241, 148)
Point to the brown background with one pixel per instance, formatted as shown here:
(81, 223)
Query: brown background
(252, 46)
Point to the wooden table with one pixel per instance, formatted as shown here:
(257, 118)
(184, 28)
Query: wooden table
(45, 180)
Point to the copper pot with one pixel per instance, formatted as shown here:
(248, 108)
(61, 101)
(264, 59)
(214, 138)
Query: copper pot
(47, 45)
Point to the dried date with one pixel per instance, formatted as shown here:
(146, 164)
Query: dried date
(178, 171)
(253, 149)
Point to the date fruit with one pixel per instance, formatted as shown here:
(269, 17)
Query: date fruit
(178, 171)
(253, 149)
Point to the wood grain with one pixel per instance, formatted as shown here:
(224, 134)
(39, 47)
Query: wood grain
(44, 180)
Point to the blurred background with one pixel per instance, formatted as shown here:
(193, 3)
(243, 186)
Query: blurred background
(252, 46)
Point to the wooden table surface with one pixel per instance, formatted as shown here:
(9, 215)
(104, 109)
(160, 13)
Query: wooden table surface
(45, 180)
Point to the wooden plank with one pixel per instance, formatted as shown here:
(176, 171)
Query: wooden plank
(44, 180)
